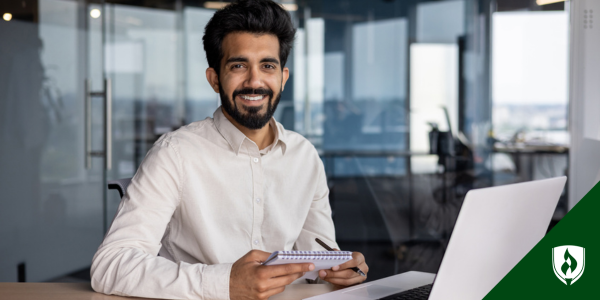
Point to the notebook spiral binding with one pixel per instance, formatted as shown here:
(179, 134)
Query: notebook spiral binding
(315, 255)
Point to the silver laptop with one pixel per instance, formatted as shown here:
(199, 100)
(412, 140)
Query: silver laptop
(495, 229)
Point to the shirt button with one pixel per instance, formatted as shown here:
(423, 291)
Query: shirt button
(255, 159)
(257, 200)
(255, 242)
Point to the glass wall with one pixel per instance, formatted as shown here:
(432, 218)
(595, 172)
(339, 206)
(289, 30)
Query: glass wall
(371, 80)
(142, 57)
(530, 71)
(530, 93)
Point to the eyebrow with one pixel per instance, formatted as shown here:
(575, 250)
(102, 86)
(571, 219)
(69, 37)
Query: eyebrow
(236, 59)
(270, 59)
(245, 59)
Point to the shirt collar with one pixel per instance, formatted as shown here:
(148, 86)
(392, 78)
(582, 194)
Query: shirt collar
(236, 138)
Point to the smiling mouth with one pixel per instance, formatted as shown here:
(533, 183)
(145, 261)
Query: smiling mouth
(253, 98)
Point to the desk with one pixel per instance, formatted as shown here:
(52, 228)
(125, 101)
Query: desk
(517, 151)
(83, 291)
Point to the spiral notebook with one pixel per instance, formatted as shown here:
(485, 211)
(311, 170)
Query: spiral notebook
(321, 259)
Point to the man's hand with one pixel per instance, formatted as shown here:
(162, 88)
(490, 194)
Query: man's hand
(251, 280)
(343, 275)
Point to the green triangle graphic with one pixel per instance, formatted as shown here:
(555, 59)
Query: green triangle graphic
(534, 278)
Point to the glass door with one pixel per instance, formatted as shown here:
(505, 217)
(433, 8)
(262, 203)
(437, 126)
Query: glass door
(51, 202)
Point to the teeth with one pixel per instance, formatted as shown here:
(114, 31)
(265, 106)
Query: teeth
(252, 98)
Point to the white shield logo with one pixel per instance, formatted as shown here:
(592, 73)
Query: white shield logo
(568, 263)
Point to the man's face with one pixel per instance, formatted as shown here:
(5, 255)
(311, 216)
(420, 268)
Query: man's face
(251, 78)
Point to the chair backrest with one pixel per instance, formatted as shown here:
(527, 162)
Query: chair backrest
(119, 185)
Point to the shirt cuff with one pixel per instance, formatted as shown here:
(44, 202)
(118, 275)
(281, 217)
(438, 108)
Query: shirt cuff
(215, 281)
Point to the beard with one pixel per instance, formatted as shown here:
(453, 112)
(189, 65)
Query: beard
(252, 119)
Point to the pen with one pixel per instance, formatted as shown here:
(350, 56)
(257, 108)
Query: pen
(355, 269)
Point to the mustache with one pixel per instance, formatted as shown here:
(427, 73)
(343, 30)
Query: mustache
(249, 91)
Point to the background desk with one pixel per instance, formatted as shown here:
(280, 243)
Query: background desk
(83, 291)
(518, 151)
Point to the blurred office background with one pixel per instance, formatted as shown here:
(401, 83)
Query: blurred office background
(410, 103)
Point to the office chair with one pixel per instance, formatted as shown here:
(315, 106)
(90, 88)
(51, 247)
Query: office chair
(120, 185)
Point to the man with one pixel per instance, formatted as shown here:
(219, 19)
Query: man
(215, 197)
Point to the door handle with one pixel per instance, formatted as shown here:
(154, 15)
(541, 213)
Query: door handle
(108, 123)
(107, 97)
(88, 124)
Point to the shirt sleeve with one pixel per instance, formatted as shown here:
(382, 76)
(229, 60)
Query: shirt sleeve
(318, 223)
(126, 262)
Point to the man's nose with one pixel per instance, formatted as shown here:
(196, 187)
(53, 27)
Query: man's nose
(255, 79)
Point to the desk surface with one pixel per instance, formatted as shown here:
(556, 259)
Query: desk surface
(83, 291)
(531, 149)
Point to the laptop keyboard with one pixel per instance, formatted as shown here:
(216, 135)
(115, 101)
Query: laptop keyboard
(419, 293)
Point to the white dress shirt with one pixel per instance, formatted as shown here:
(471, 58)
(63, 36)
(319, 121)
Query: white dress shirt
(203, 197)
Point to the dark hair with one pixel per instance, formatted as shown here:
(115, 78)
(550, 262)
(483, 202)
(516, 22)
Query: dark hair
(253, 16)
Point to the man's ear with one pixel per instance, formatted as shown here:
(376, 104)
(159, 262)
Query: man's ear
(213, 79)
(286, 75)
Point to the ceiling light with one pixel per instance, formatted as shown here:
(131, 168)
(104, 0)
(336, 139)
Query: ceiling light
(220, 4)
(215, 4)
(7, 17)
(544, 2)
(95, 13)
(290, 7)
